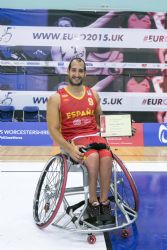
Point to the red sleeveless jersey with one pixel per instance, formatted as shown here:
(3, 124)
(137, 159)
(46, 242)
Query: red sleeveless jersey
(77, 114)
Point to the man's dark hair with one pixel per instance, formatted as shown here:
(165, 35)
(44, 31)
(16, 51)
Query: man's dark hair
(79, 60)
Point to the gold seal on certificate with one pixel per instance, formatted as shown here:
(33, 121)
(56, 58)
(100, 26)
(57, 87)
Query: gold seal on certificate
(116, 125)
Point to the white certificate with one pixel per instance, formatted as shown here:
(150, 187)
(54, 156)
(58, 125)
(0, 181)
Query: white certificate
(116, 125)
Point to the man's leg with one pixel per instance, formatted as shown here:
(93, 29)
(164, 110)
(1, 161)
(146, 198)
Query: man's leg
(92, 164)
(105, 177)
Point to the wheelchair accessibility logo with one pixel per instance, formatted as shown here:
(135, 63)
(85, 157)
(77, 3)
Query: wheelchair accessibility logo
(163, 133)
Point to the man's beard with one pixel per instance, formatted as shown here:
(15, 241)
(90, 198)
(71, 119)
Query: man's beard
(76, 84)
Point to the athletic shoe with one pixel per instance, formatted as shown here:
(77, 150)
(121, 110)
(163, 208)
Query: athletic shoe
(93, 210)
(105, 208)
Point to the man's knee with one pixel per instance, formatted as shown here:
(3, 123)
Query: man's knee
(105, 153)
(91, 153)
(92, 160)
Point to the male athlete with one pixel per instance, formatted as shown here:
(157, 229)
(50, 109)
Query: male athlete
(73, 116)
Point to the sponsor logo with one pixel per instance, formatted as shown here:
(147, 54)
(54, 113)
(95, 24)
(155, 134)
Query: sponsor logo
(162, 133)
(77, 122)
(86, 121)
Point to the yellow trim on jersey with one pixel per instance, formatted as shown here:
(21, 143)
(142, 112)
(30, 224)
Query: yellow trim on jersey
(76, 97)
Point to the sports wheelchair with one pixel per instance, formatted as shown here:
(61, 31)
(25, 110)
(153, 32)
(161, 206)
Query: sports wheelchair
(55, 203)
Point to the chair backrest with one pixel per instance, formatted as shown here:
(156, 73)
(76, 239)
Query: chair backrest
(6, 113)
(31, 114)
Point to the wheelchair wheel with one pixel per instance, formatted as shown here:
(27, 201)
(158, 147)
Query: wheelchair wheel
(126, 188)
(50, 190)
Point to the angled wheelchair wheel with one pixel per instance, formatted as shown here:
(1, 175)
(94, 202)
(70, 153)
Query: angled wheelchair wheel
(126, 188)
(50, 190)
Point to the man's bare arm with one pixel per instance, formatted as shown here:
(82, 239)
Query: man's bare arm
(98, 110)
(53, 120)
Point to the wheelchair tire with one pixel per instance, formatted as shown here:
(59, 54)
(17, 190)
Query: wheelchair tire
(127, 191)
(50, 190)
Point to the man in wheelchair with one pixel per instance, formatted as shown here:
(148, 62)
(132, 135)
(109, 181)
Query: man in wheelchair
(73, 116)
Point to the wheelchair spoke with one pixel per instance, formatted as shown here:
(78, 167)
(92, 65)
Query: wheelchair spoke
(48, 196)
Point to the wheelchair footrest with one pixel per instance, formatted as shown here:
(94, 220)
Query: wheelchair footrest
(75, 206)
(101, 220)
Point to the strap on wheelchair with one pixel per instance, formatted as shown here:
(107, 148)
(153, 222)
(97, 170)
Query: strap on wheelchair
(96, 146)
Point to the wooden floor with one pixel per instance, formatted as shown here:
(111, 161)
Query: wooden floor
(130, 154)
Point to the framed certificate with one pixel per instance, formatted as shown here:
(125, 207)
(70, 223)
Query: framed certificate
(116, 125)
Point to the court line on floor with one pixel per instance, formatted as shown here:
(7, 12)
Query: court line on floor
(38, 166)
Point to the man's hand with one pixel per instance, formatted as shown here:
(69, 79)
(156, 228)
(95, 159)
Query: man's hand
(133, 129)
(75, 153)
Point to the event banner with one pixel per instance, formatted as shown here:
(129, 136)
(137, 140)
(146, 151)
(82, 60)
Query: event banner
(86, 37)
(36, 134)
(125, 54)
(24, 134)
(109, 101)
(48, 39)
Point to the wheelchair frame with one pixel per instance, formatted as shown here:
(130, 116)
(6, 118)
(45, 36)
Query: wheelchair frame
(51, 203)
